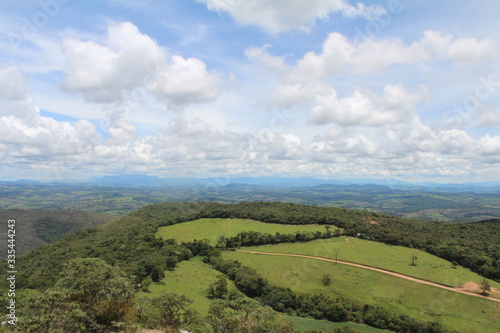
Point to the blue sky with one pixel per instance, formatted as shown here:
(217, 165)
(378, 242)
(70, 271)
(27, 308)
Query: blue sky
(218, 88)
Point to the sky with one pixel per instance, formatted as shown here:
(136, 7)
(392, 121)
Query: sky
(333, 89)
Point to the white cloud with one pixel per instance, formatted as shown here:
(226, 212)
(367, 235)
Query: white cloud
(365, 109)
(325, 148)
(13, 85)
(441, 46)
(282, 15)
(128, 59)
(486, 117)
(339, 55)
(415, 136)
(16, 100)
(276, 146)
(490, 145)
(102, 72)
(185, 81)
(287, 95)
(262, 57)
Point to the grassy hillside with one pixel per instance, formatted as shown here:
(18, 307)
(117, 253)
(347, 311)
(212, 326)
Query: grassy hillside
(324, 326)
(192, 279)
(455, 311)
(128, 241)
(393, 258)
(35, 227)
(212, 228)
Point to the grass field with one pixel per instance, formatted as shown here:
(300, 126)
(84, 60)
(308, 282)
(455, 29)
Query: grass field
(460, 312)
(305, 324)
(213, 228)
(394, 258)
(192, 279)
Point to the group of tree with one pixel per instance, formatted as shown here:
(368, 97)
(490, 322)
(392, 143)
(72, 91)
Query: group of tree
(93, 296)
(253, 238)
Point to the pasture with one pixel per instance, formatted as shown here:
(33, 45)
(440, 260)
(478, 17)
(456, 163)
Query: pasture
(211, 229)
(455, 311)
(191, 279)
(393, 258)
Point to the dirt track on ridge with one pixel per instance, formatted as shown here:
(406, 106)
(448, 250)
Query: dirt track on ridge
(380, 270)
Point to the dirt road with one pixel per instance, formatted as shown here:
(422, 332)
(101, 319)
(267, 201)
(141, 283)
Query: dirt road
(380, 270)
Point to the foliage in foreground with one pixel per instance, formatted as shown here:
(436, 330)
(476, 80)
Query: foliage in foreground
(89, 296)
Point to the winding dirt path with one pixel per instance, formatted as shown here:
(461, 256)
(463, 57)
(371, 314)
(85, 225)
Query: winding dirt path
(380, 270)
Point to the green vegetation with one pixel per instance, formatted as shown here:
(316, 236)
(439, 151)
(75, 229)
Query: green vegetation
(318, 305)
(212, 228)
(304, 324)
(36, 228)
(88, 297)
(130, 245)
(390, 257)
(191, 278)
(397, 296)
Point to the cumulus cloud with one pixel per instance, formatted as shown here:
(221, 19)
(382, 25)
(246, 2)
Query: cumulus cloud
(276, 146)
(415, 136)
(287, 95)
(261, 56)
(436, 44)
(340, 55)
(185, 81)
(339, 149)
(283, 15)
(103, 72)
(365, 109)
(486, 117)
(16, 99)
(27, 135)
(490, 145)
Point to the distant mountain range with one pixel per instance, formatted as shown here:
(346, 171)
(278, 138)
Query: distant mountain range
(139, 180)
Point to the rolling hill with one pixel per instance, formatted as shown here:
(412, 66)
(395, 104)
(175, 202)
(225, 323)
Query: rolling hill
(131, 243)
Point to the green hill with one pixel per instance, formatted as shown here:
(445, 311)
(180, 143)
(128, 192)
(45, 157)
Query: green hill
(454, 311)
(393, 258)
(131, 244)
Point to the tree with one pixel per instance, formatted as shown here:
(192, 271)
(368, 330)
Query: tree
(153, 265)
(88, 297)
(328, 232)
(413, 259)
(166, 310)
(485, 287)
(221, 242)
(103, 291)
(327, 279)
(52, 311)
(218, 289)
(345, 329)
(244, 315)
